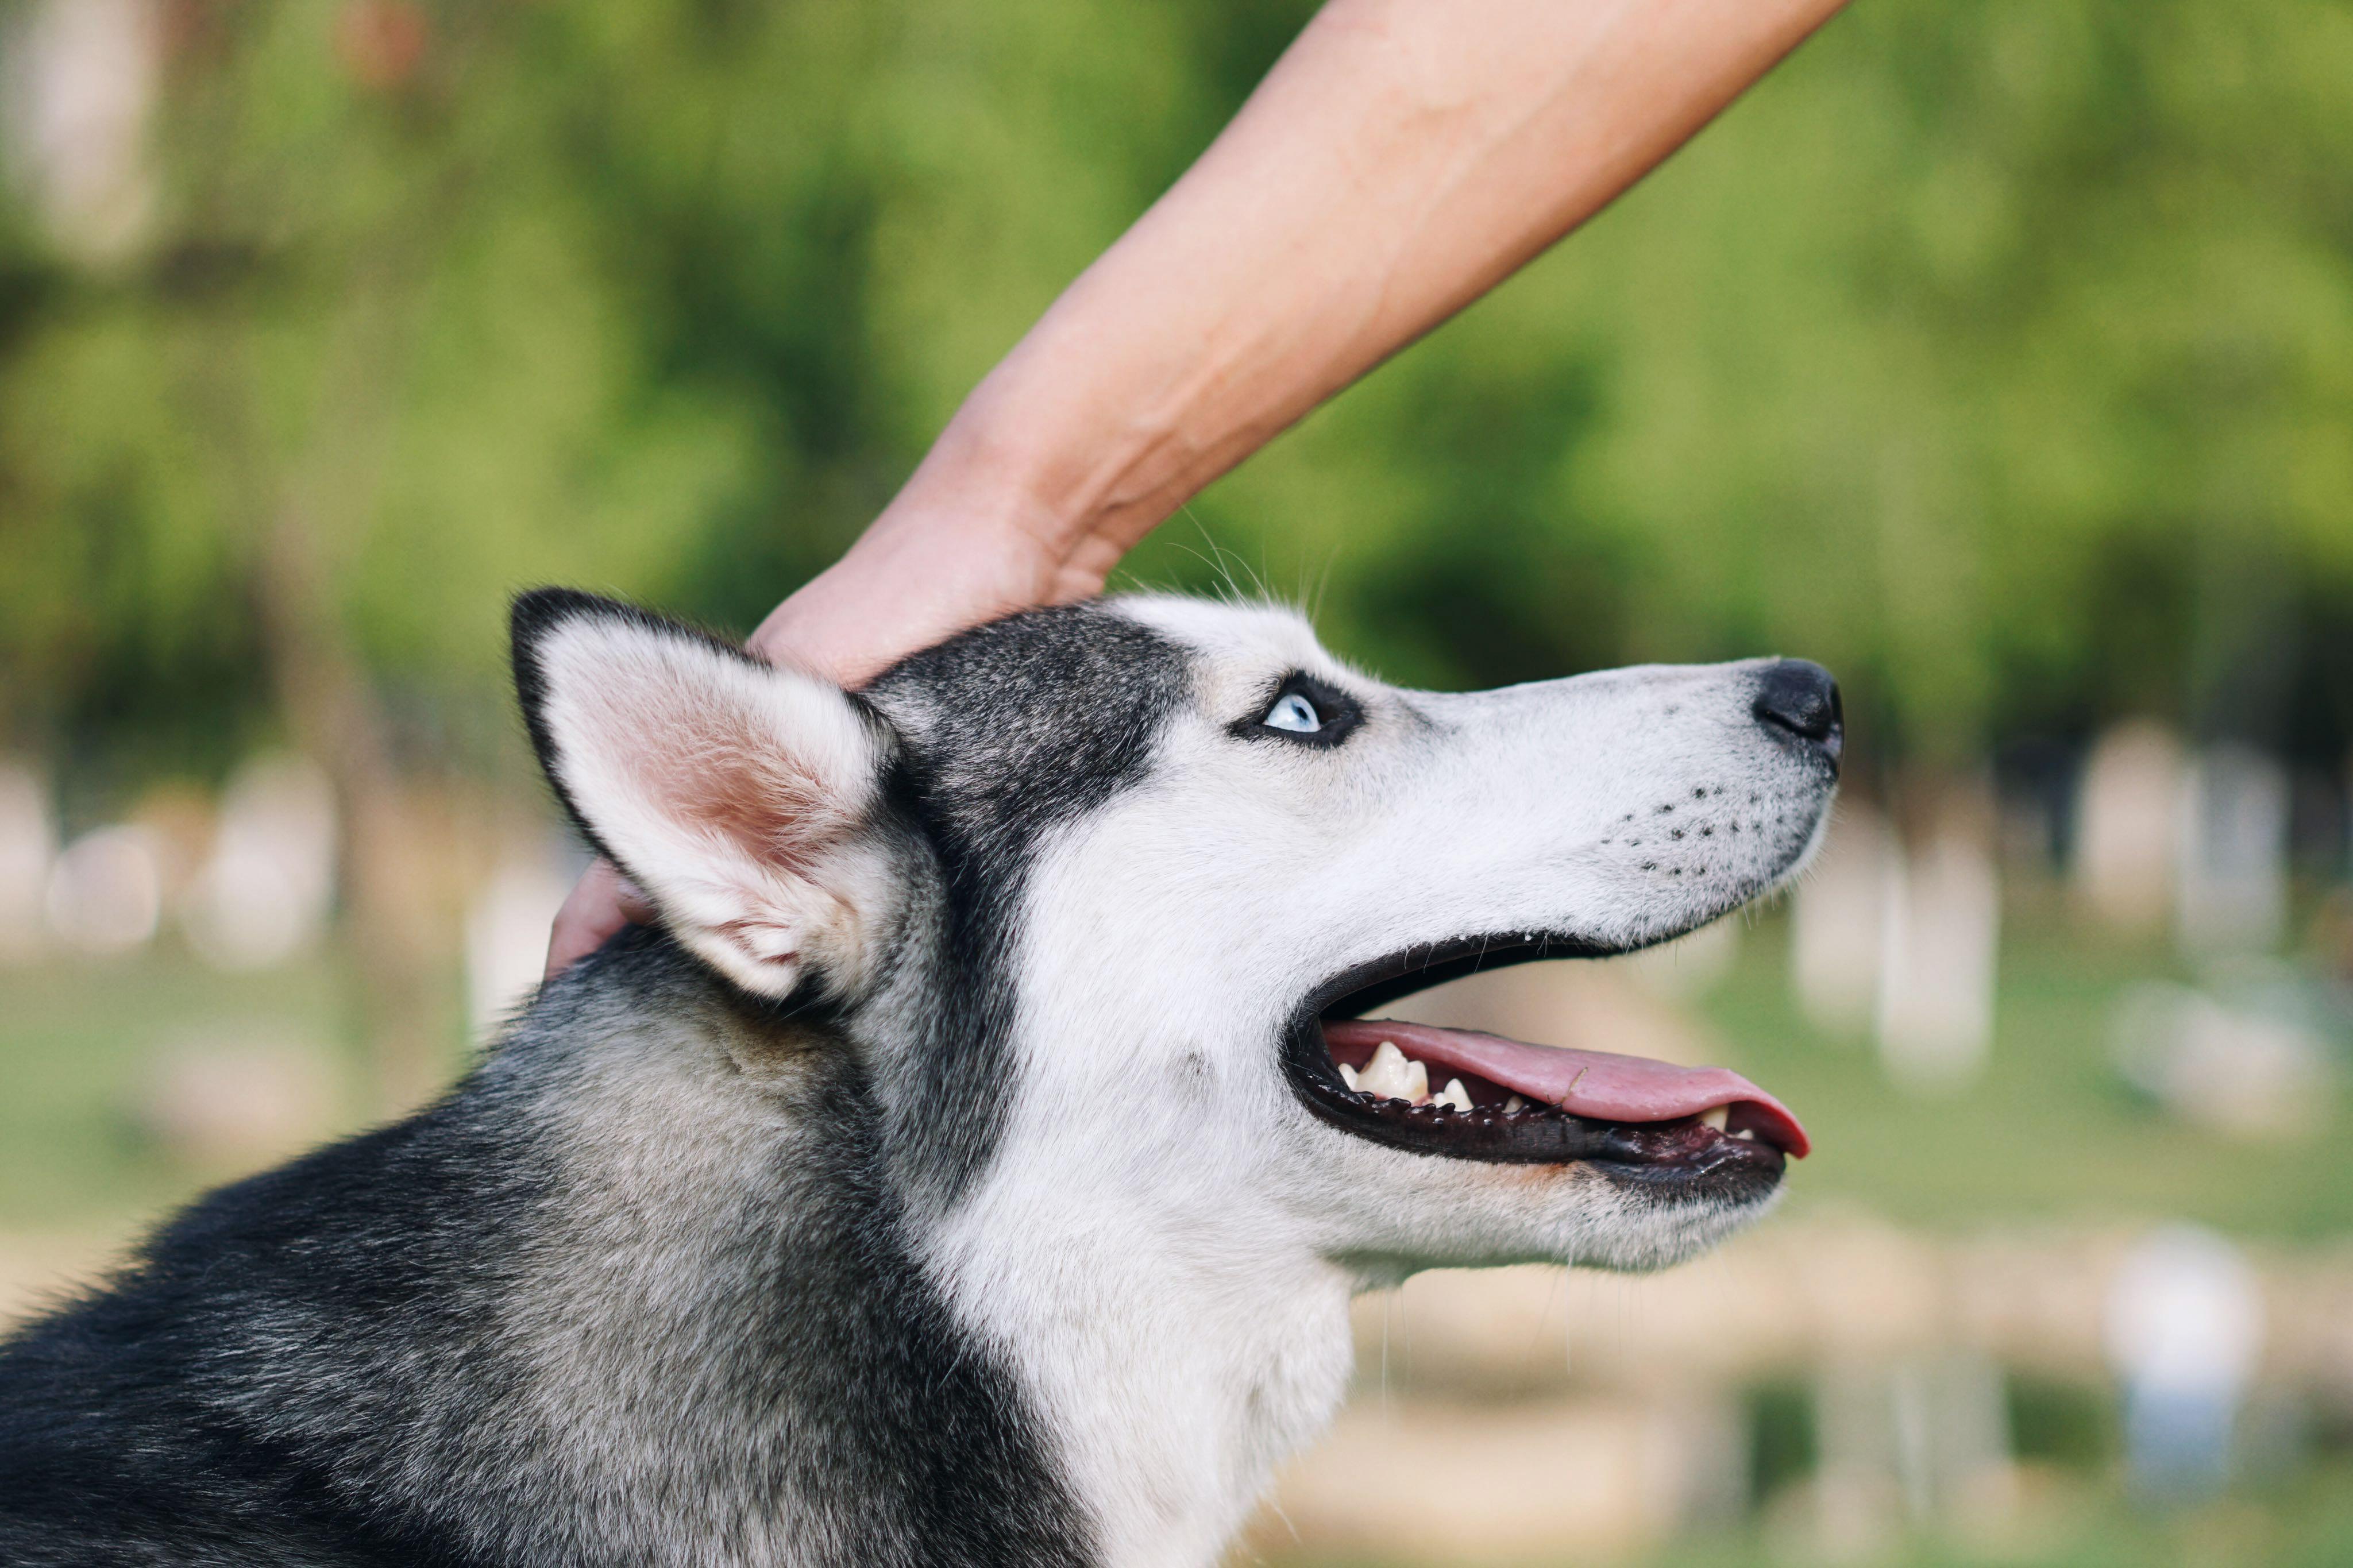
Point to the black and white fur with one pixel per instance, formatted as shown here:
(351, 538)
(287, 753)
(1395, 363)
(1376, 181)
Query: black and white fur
(928, 1188)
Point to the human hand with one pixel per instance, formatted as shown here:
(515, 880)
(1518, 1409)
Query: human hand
(942, 558)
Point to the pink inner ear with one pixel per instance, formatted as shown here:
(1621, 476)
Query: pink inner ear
(726, 779)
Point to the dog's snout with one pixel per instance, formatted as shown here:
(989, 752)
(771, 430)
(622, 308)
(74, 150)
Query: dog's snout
(1798, 696)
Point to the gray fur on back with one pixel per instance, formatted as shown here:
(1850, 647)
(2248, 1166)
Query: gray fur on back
(616, 1300)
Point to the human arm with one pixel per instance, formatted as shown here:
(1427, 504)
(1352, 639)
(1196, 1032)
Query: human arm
(1402, 158)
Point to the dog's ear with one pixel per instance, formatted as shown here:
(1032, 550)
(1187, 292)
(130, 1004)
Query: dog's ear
(737, 794)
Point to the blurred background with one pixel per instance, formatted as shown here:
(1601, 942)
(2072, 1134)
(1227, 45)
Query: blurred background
(2000, 356)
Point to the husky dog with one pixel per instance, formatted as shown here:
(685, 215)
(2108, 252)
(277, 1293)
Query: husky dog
(975, 1164)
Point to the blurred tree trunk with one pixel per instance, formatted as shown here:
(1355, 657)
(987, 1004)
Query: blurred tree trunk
(310, 508)
(395, 931)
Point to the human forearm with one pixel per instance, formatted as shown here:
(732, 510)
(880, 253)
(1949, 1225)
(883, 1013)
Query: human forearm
(1402, 158)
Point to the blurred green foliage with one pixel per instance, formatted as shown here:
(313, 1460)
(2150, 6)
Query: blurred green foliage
(1783, 1446)
(2056, 1422)
(1999, 356)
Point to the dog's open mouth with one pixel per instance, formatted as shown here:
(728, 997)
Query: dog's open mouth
(1465, 1095)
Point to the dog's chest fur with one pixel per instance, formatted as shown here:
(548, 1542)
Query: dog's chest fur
(1180, 1350)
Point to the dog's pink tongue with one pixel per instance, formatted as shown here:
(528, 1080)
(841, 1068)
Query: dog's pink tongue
(1601, 1085)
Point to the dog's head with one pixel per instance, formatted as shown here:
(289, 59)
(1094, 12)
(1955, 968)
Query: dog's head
(1100, 895)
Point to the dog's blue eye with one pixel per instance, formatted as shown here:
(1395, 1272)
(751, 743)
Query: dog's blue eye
(1303, 712)
(1293, 712)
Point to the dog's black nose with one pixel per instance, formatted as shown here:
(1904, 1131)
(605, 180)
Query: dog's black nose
(1799, 696)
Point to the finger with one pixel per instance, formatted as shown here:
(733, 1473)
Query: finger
(600, 903)
(635, 905)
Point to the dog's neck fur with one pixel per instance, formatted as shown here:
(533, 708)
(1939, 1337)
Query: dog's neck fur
(753, 1362)
(1170, 1338)
(1176, 1336)
(1179, 1341)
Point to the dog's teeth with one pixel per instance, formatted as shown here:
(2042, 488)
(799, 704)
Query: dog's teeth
(1746, 1133)
(1348, 1075)
(1384, 1077)
(1455, 1095)
(1716, 1118)
(1514, 1104)
(1417, 1082)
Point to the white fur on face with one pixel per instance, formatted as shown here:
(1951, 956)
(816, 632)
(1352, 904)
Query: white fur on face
(1168, 1237)
(733, 793)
